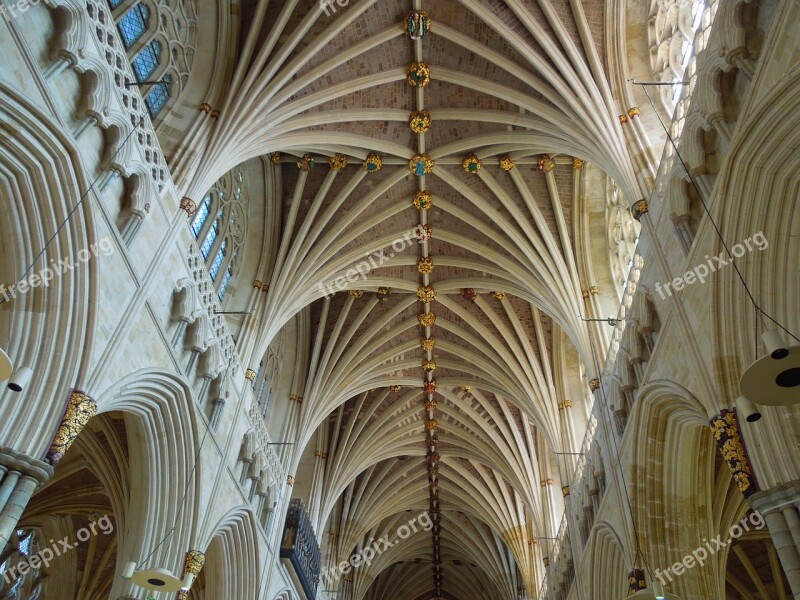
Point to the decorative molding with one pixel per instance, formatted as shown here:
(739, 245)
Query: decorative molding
(725, 427)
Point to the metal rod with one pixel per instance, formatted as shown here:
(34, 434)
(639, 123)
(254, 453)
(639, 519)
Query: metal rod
(633, 81)
(142, 83)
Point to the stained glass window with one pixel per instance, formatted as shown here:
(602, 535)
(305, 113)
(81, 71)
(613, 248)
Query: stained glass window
(147, 60)
(114, 3)
(158, 96)
(224, 286)
(214, 271)
(205, 249)
(133, 24)
(202, 216)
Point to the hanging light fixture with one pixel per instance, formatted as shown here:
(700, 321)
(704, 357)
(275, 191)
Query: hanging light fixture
(656, 593)
(774, 378)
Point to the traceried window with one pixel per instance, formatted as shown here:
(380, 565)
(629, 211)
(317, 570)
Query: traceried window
(133, 24)
(159, 37)
(623, 234)
(678, 33)
(220, 239)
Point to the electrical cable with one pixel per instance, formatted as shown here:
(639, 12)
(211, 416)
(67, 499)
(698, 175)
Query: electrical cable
(82, 198)
(710, 217)
(609, 429)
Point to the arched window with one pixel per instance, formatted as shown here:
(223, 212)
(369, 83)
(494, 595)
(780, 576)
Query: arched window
(205, 249)
(220, 239)
(201, 216)
(133, 24)
(148, 61)
(214, 270)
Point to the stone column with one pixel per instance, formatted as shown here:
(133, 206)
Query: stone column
(20, 475)
(779, 507)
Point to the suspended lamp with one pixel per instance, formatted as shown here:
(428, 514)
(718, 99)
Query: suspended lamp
(773, 379)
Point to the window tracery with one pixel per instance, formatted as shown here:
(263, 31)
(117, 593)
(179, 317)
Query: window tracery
(622, 235)
(679, 31)
(158, 36)
(221, 239)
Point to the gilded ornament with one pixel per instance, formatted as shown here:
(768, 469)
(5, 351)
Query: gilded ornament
(182, 595)
(594, 290)
(205, 107)
(419, 75)
(594, 384)
(355, 293)
(429, 387)
(383, 294)
(394, 388)
(417, 24)
(432, 458)
(194, 562)
(425, 265)
(250, 375)
(546, 163)
(430, 425)
(429, 366)
(430, 405)
(577, 163)
(466, 389)
(506, 162)
(215, 114)
(469, 294)
(427, 319)
(290, 480)
(420, 121)
(565, 490)
(306, 163)
(639, 208)
(421, 164)
(423, 233)
(373, 163)
(275, 158)
(585, 294)
(337, 162)
(472, 164)
(257, 284)
(188, 206)
(498, 295)
(623, 119)
(426, 293)
(725, 428)
(80, 409)
(422, 200)
(634, 112)
(428, 344)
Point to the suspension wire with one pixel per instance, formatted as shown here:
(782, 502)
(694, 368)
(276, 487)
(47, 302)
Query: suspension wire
(83, 197)
(693, 182)
(191, 473)
(605, 411)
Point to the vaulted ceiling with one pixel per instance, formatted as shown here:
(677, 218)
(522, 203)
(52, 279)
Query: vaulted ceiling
(523, 85)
